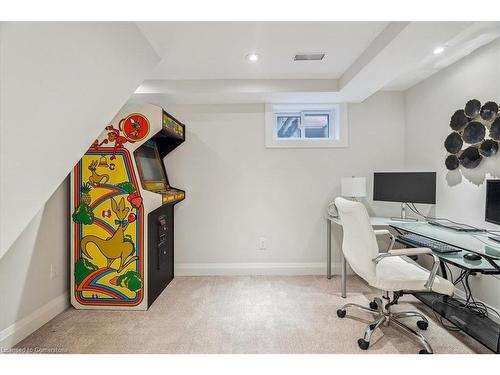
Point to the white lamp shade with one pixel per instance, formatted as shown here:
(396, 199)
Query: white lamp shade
(353, 187)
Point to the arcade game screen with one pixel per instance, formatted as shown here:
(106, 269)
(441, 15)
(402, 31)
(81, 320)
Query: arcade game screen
(149, 163)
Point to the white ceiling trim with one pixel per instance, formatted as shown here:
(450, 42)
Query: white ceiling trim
(214, 86)
(398, 57)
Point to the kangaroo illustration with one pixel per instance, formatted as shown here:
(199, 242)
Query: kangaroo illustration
(116, 246)
(96, 178)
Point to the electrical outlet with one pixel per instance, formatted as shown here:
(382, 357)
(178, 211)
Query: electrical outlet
(262, 243)
(53, 272)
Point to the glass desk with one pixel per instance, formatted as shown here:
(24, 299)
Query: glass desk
(470, 242)
(481, 328)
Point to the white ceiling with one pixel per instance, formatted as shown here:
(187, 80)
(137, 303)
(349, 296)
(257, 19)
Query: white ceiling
(204, 62)
(463, 43)
(217, 50)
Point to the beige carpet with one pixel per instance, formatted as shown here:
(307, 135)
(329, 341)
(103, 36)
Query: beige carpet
(254, 314)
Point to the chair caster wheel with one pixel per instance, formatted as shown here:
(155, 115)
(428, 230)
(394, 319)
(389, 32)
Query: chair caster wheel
(424, 351)
(341, 313)
(373, 305)
(422, 324)
(363, 344)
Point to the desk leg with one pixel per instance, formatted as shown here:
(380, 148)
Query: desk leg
(343, 277)
(444, 274)
(328, 249)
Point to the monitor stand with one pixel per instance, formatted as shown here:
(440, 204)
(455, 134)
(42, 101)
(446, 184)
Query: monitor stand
(403, 215)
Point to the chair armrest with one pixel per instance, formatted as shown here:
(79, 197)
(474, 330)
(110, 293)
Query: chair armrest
(411, 251)
(381, 232)
(414, 251)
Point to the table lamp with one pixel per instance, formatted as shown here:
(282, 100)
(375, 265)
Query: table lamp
(353, 187)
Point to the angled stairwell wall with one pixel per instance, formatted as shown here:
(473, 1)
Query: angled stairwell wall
(59, 85)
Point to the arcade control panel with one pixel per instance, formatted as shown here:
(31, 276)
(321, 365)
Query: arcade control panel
(169, 194)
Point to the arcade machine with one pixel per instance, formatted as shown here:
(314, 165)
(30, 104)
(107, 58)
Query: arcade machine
(122, 210)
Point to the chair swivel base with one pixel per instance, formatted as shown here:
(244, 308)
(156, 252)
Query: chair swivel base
(385, 316)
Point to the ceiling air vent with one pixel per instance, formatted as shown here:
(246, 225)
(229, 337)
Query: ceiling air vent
(309, 57)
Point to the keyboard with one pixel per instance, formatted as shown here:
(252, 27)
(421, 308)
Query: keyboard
(421, 241)
(455, 227)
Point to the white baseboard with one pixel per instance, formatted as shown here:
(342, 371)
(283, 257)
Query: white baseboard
(21, 329)
(246, 269)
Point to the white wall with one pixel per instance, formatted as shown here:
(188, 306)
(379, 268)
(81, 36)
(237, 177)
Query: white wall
(238, 191)
(428, 107)
(60, 84)
(29, 295)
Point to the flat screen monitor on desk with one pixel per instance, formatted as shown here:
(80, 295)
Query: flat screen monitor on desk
(492, 211)
(405, 187)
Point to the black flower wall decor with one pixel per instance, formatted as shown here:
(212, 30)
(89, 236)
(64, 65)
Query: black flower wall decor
(475, 135)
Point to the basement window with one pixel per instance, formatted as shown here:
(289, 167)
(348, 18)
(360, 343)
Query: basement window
(306, 125)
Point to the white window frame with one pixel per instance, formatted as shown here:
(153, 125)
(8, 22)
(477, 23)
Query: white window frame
(337, 128)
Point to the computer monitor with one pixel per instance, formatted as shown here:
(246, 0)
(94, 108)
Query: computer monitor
(492, 210)
(405, 187)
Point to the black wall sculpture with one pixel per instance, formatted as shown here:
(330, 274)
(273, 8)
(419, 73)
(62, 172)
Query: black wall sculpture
(476, 133)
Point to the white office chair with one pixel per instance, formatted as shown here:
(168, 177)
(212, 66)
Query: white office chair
(391, 272)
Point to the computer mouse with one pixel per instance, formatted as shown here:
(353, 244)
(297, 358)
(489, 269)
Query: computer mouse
(472, 256)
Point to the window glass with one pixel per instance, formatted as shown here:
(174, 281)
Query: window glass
(288, 126)
(306, 125)
(316, 125)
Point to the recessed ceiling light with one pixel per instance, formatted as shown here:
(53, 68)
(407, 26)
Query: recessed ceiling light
(253, 57)
(438, 50)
